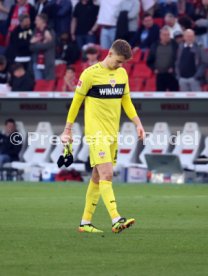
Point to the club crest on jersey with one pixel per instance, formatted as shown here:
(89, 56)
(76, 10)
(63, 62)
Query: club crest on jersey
(113, 82)
(102, 154)
(79, 84)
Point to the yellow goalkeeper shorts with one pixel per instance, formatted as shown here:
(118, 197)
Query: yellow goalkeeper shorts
(101, 153)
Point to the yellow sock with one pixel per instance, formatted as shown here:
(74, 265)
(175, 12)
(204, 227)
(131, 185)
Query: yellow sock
(92, 197)
(106, 191)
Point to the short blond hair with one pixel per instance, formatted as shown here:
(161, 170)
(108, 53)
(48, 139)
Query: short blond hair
(122, 48)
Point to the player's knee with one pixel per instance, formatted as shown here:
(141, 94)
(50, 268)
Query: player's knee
(108, 176)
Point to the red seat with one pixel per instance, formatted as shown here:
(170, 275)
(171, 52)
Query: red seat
(136, 84)
(2, 40)
(59, 85)
(60, 70)
(150, 84)
(141, 70)
(44, 85)
(103, 53)
(78, 67)
(128, 66)
(136, 56)
(159, 22)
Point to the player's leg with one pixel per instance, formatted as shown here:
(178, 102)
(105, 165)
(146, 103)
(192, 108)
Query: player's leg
(118, 223)
(92, 198)
(106, 190)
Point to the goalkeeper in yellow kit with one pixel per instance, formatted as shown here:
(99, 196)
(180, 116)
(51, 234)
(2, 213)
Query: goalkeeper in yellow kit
(104, 89)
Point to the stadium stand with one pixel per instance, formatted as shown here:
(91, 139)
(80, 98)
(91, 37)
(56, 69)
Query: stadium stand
(21, 129)
(44, 85)
(188, 151)
(201, 163)
(157, 142)
(141, 79)
(127, 149)
(39, 148)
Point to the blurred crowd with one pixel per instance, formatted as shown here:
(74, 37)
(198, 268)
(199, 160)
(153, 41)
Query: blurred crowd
(37, 36)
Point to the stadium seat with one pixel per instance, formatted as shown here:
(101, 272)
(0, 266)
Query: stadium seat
(159, 21)
(21, 129)
(44, 85)
(60, 70)
(157, 142)
(103, 53)
(150, 84)
(141, 70)
(39, 148)
(187, 145)
(128, 143)
(136, 84)
(78, 67)
(2, 40)
(204, 154)
(59, 85)
(83, 154)
(136, 56)
(128, 66)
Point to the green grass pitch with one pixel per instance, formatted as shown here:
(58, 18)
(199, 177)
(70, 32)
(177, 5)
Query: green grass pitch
(38, 231)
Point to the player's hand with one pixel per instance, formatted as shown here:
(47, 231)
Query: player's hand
(66, 136)
(141, 132)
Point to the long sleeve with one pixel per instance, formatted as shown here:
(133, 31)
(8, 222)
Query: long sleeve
(128, 106)
(74, 108)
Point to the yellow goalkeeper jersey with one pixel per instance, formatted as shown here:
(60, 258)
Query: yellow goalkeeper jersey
(103, 90)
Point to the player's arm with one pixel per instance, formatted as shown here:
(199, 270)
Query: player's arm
(83, 87)
(131, 111)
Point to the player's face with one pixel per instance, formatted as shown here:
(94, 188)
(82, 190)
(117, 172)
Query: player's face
(115, 61)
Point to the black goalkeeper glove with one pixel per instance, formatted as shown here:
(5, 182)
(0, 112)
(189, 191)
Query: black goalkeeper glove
(67, 158)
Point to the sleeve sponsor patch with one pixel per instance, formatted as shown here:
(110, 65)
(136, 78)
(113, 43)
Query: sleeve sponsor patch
(79, 84)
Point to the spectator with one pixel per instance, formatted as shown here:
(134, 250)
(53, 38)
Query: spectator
(66, 50)
(148, 6)
(21, 80)
(4, 76)
(43, 48)
(167, 6)
(19, 46)
(172, 24)
(178, 37)
(161, 60)
(200, 18)
(84, 18)
(129, 16)
(191, 63)
(8, 151)
(61, 15)
(147, 34)
(92, 56)
(70, 80)
(42, 6)
(107, 19)
(5, 6)
(185, 22)
(21, 7)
